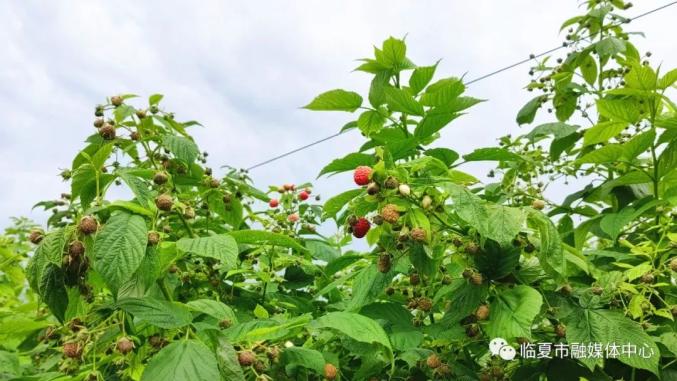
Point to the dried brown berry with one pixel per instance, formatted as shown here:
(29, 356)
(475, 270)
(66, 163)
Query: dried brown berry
(597, 290)
(107, 131)
(457, 242)
(377, 220)
(648, 278)
(189, 213)
(482, 312)
(214, 183)
(384, 263)
(444, 370)
(560, 330)
(433, 361)
(88, 225)
(390, 213)
(160, 178)
(153, 238)
(36, 236)
(134, 135)
(140, 114)
(418, 234)
(72, 350)
(76, 249)
(164, 202)
(373, 188)
(273, 353)
(98, 122)
(259, 366)
(467, 273)
(425, 304)
(673, 264)
(566, 289)
(246, 358)
(472, 330)
(476, 279)
(391, 183)
(124, 345)
(116, 100)
(225, 323)
(414, 279)
(472, 248)
(330, 371)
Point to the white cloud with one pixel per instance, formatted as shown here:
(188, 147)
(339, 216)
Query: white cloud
(244, 68)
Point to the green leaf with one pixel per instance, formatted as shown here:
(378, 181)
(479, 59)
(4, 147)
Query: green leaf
(226, 357)
(565, 105)
(53, 291)
(367, 286)
(434, 121)
(119, 248)
(182, 360)
(400, 100)
(513, 312)
(259, 237)
(160, 313)
(641, 77)
(336, 203)
(668, 79)
(155, 99)
(550, 252)
(421, 77)
(505, 223)
(613, 223)
(49, 251)
(370, 121)
(602, 132)
(355, 326)
(607, 154)
(446, 155)
(393, 53)
(611, 328)
(469, 207)
(222, 247)
(336, 100)
(557, 129)
(527, 113)
(638, 144)
(620, 110)
(305, 357)
(139, 187)
(492, 154)
(589, 69)
(213, 308)
(442, 92)
(667, 161)
(610, 46)
(183, 149)
(348, 163)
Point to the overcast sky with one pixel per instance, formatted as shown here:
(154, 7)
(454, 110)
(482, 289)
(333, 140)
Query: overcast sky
(243, 69)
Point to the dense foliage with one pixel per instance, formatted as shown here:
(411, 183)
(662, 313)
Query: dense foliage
(205, 277)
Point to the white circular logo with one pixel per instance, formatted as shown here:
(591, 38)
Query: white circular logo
(499, 346)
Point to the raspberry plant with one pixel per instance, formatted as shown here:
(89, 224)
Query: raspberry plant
(153, 267)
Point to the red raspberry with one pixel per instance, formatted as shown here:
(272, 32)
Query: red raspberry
(293, 217)
(362, 175)
(361, 227)
(273, 203)
(303, 195)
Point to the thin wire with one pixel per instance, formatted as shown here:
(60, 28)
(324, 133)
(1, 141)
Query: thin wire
(491, 74)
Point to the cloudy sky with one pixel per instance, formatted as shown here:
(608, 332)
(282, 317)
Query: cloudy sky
(243, 69)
